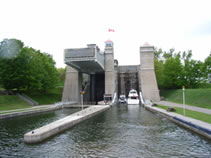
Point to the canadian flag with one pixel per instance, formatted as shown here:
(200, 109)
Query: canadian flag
(111, 30)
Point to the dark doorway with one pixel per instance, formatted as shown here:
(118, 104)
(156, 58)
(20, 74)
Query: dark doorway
(97, 87)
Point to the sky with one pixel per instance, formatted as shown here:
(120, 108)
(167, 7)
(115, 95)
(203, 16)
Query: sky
(54, 25)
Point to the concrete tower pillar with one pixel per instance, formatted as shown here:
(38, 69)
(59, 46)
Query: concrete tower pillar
(122, 83)
(92, 86)
(109, 68)
(72, 85)
(149, 86)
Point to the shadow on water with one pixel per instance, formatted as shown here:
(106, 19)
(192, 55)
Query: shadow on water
(122, 131)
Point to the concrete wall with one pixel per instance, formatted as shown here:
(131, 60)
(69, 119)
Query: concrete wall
(128, 68)
(72, 85)
(128, 79)
(142, 78)
(109, 71)
(147, 76)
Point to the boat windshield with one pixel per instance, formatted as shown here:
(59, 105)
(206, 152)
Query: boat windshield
(122, 97)
(134, 97)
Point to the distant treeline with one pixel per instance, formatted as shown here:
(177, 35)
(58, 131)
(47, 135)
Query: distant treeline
(176, 69)
(24, 68)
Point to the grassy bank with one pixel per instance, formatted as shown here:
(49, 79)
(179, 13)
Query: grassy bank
(189, 113)
(10, 102)
(194, 97)
(50, 97)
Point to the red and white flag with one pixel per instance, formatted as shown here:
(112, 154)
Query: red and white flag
(111, 30)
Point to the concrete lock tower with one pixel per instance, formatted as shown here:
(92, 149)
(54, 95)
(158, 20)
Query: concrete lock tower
(72, 85)
(149, 86)
(109, 68)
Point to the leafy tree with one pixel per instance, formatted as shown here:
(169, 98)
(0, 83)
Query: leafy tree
(206, 67)
(158, 53)
(192, 73)
(186, 56)
(159, 68)
(174, 69)
(33, 70)
(62, 73)
(50, 74)
(169, 54)
(173, 73)
(26, 69)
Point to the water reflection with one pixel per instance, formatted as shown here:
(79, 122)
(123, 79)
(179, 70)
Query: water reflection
(122, 131)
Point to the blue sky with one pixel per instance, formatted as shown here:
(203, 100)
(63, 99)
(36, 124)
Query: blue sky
(54, 25)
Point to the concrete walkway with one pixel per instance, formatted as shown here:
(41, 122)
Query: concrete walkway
(58, 126)
(198, 126)
(193, 108)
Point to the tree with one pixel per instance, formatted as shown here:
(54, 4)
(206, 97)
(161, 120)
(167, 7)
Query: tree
(169, 54)
(26, 69)
(179, 69)
(159, 66)
(51, 76)
(173, 73)
(62, 73)
(192, 73)
(158, 53)
(206, 67)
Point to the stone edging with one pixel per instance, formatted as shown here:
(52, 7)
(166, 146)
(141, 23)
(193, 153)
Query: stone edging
(44, 132)
(28, 112)
(197, 126)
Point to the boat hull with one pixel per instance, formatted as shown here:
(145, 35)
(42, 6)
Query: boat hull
(133, 101)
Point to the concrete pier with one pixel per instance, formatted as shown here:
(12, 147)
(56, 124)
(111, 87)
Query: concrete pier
(42, 133)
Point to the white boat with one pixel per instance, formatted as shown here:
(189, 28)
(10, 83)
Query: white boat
(133, 97)
(122, 99)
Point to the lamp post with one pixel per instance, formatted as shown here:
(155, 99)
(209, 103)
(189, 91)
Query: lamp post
(183, 94)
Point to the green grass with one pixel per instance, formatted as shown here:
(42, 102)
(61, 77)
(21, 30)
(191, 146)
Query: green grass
(11, 102)
(194, 97)
(50, 97)
(189, 113)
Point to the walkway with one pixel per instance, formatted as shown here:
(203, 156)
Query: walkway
(198, 126)
(193, 108)
(44, 132)
(28, 111)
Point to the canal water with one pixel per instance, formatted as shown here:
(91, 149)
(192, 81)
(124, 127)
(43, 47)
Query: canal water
(122, 131)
